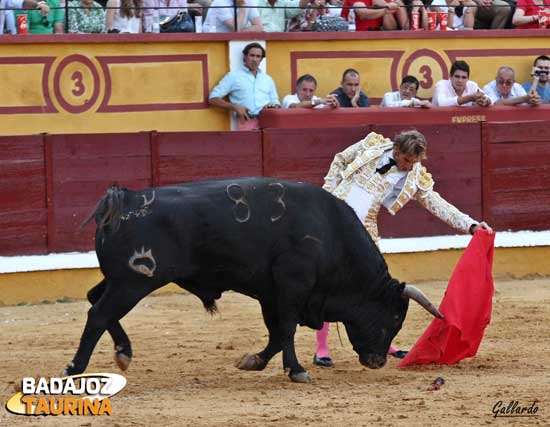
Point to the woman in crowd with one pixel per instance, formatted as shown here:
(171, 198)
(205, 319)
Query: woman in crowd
(50, 23)
(527, 13)
(86, 17)
(374, 15)
(124, 16)
(304, 21)
(461, 13)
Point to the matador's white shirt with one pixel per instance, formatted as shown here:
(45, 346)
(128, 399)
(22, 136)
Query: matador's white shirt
(352, 177)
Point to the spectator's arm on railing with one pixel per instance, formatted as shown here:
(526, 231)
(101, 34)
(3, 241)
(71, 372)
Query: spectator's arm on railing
(256, 26)
(520, 18)
(110, 14)
(363, 13)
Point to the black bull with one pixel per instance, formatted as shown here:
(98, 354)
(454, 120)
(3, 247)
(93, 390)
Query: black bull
(301, 252)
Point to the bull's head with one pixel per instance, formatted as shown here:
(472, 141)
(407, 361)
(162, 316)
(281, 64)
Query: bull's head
(374, 324)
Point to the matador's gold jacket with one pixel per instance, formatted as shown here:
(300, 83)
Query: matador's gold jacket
(352, 177)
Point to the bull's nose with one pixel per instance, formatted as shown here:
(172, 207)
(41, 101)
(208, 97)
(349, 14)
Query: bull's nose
(373, 361)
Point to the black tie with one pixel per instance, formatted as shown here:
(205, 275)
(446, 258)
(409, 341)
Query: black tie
(386, 167)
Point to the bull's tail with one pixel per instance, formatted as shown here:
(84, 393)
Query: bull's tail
(108, 210)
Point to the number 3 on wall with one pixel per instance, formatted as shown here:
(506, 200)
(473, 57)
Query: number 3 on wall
(78, 89)
(76, 84)
(427, 81)
(428, 67)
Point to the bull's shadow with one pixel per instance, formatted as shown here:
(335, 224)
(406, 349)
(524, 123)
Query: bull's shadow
(301, 252)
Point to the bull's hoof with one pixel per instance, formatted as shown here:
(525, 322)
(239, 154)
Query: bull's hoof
(69, 370)
(301, 377)
(251, 362)
(122, 360)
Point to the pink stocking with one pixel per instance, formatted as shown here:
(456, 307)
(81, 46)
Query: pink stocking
(322, 341)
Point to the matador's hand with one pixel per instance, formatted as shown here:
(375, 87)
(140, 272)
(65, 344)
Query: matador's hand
(482, 225)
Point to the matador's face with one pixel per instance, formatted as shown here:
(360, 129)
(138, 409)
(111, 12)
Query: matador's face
(405, 162)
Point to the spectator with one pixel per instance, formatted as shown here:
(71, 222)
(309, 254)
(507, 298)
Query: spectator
(461, 14)
(540, 74)
(492, 14)
(249, 89)
(51, 23)
(6, 18)
(7, 22)
(166, 8)
(505, 91)
(349, 94)
(335, 7)
(305, 21)
(405, 96)
(124, 16)
(459, 90)
(526, 14)
(276, 13)
(373, 15)
(199, 7)
(221, 16)
(86, 17)
(305, 97)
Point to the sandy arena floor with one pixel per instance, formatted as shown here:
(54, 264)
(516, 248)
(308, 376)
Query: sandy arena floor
(183, 375)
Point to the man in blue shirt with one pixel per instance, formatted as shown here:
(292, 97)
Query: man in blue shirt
(249, 89)
(349, 95)
(541, 71)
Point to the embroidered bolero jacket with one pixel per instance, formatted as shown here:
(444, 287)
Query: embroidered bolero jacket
(356, 167)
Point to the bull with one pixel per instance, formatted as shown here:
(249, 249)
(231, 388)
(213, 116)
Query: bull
(294, 247)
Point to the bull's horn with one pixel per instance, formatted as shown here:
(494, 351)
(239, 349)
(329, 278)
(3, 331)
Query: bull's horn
(417, 295)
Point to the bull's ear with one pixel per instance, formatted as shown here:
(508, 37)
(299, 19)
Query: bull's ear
(417, 295)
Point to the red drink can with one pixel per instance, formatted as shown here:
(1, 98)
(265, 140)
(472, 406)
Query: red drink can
(415, 24)
(22, 27)
(432, 21)
(443, 16)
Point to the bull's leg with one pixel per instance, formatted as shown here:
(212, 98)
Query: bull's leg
(257, 362)
(295, 274)
(123, 347)
(296, 372)
(117, 300)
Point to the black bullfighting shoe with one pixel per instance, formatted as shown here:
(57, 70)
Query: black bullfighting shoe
(325, 362)
(400, 354)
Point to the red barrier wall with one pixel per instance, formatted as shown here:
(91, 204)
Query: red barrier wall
(23, 219)
(304, 117)
(49, 183)
(80, 168)
(516, 167)
(306, 154)
(189, 156)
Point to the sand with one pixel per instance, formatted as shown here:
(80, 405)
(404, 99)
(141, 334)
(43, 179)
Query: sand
(182, 373)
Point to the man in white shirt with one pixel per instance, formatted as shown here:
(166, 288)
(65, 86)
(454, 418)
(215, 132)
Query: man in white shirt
(21, 4)
(221, 17)
(459, 90)
(505, 91)
(405, 96)
(305, 97)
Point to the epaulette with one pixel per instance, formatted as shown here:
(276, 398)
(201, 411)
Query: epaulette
(373, 139)
(425, 181)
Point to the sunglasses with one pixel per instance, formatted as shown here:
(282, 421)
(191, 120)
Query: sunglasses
(505, 82)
